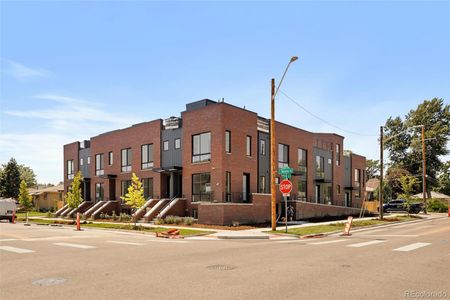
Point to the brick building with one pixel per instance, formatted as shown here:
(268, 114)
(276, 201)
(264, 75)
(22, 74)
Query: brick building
(212, 163)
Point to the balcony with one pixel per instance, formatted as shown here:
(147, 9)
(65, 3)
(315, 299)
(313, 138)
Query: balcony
(320, 175)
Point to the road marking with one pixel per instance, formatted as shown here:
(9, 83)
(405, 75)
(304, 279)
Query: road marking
(412, 247)
(125, 243)
(7, 240)
(388, 235)
(74, 245)
(167, 241)
(327, 242)
(15, 250)
(49, 238)
(365, 244)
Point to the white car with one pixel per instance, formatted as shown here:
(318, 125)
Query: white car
(7, 208)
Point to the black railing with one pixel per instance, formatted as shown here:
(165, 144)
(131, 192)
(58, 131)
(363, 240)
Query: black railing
(203, 197)
(237, 197)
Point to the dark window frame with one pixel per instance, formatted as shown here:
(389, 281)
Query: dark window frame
(199, 195)
(147, 161)
(282, 161)
(201, 156)
(248, 145)
(227, 141)
(126, 164)
(99, 164)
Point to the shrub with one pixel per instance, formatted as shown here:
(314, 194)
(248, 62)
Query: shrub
(435, 205)
(170, 220)
(107, 216)
(124, 217)
(102, 216)
(159, 221)
(49, 214)
(114, 216)
(188, 220)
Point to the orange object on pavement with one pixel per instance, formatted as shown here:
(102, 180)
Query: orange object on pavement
(170, 234)
(14, 217)
(78, 221)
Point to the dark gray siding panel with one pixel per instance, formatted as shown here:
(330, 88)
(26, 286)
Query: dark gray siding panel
(83, 154)
(264, 161)
(172, 157)
(347, 171)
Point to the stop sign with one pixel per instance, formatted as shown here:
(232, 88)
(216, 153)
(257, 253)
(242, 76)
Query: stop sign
(285, 186)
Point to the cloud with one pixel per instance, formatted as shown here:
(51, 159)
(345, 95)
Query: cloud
(67, 119)
(20, 72)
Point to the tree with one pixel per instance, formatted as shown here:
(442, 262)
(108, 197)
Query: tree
(407, 183)
(135, 194)
(10, 180)
(405, 150)
(393, 176)
(387, 192)
(443, 185)
(25, 198)
(372, 168)
(73, 197)
(27, 174)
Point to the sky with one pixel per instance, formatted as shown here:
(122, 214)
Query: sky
(73, 69)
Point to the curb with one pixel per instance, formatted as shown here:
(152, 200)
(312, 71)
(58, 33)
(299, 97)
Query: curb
(244, 237)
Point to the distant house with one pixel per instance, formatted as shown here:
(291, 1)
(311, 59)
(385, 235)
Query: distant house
(371, 186)
(435, 195)
(49, 198)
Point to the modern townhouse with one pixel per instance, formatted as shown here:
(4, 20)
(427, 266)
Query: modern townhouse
(213, 163)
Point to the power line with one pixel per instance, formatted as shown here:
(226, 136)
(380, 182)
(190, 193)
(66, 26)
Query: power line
(323, 120)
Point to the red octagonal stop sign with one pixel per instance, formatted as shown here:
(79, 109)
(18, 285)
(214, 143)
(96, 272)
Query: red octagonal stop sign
(285, 186)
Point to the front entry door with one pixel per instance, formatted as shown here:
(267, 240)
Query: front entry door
(317, 193)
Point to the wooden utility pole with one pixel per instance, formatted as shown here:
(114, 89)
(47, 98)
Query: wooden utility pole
(424, 172)
(381, 188)
(273, 172)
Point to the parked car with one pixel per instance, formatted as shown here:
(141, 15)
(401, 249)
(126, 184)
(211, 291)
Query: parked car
(401, 205)
(7, 207)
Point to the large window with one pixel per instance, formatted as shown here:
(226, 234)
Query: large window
(228, 141)
(99, 170)
(302, 159)
(81, 161)
(228, 186)
(283, 156)
(166, 146)
(148, 187)
(70, 169)
(201, 147)
(177, 143)
(124, 187)
(201, 187)
(99, 192)
(357, 183)
(147, 156)
(126, 160)
(302, 189)
(248, 146)
(338, 155)
(262, 147)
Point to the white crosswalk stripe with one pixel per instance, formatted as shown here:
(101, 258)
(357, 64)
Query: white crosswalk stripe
(125, 243)
(365, 244)
(74, 245)
(7, 240)
(15, 250)
(327, 242)
(412, 247)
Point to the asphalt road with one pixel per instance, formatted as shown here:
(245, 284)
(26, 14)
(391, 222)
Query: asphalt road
(406, 261)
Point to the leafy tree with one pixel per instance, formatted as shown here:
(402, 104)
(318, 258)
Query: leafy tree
(372, 168)
(405, 150)
(387, 192)
(443, 185)
(25, 198)
(73, 197)
(135, 194)
(27, 174)
(393, 176)
(10, 180)
(407, 183)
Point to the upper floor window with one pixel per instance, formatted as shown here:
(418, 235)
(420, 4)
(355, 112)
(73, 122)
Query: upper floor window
(248, 146)
(228, 141)
(301, 157)
(262, 147)
(338, 155)
(70, 169)
(357, 175)
(81, 161)
(110, 158)
(165, 145)
(89, 160)
(283, 156)
(320, 163)
(99, 170)
(177, 143)
(126, 160)
(201, 147)
(147, 156)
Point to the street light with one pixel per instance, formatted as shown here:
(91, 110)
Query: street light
(273, 171)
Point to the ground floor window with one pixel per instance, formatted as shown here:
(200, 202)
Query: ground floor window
(228, 186)
(99, 192)
(201, 187)
(124, 187)
(262, 184)
(302, 190)
(148, 187)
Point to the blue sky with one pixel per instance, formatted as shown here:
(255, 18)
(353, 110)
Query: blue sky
(71, 70)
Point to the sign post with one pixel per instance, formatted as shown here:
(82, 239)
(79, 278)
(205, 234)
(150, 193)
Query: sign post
(285, 189)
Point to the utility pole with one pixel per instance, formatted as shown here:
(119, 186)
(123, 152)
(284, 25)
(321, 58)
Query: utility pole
(424, 172)
(381, 187)
(273, 172)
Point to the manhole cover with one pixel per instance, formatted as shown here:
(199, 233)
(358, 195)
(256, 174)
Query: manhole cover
(221, 267)
(49, 281)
